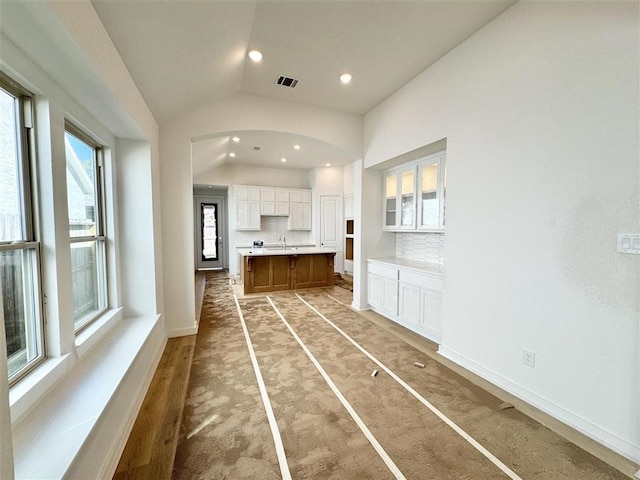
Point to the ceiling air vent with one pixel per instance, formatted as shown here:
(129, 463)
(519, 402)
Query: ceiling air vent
(286, 81)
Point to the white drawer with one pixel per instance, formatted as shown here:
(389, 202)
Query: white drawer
(383, 270)
(422, 280)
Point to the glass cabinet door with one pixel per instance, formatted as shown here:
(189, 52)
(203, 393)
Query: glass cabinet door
(391, 199)
(407, 197)
(429, 198)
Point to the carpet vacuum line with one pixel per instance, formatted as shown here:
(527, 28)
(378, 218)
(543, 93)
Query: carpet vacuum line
(365, 430)
(490, 456)
(277, 439)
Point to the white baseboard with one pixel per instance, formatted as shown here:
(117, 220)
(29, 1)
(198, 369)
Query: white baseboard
(182, 332)
(600, 435)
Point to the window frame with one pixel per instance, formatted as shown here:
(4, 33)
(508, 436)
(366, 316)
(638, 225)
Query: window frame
(100, 237)
(25, 144)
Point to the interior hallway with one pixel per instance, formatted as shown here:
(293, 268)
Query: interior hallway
(404, 409)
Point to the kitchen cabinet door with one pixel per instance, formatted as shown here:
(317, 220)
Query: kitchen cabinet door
(390, 297)
(247, 200)
(430, 314)
(300, 196)
(391, 201)
(431, 190)
(300, 216)
(409, 303)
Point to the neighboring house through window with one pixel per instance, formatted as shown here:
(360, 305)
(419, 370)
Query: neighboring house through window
(20, 296)
(86, 226)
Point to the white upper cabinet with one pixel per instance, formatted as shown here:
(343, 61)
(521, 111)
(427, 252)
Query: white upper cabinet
(300, 210)
(431, 191)
(253, 202)
(300, 196)
(274, 202)
(400, 199)
(407, 198)
(414, 195)
(391, 200)
(247, 201)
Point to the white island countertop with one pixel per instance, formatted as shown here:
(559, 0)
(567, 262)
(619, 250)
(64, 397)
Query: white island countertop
(267, 251)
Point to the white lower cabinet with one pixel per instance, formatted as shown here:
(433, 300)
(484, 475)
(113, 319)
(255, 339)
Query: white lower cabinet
(430, 319)
(409, 304)
(407, 296)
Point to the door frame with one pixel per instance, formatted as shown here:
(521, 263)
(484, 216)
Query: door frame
(222, 261)
(337, 200)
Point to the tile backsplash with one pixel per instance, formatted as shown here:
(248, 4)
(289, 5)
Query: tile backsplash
(270, 230)
(426, 247)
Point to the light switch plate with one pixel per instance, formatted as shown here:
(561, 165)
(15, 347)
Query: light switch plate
(628, 243)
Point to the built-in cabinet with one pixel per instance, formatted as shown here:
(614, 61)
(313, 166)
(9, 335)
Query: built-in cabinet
(274, 202)
(414, 195)
(407, 295)
(349, 231)
(300, 210)
(253, 202)
(247, 205)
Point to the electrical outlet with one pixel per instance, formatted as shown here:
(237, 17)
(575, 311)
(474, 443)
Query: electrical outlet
(529, 357)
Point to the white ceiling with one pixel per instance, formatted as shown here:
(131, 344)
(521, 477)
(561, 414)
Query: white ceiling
(183, 54)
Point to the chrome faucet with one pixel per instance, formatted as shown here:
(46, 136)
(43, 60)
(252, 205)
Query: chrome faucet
(283, 239)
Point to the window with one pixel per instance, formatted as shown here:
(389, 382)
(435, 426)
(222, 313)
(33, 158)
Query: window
(86, 226)
(20, 297)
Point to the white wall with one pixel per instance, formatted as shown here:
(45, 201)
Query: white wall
(348, 178)
(260, 176)
(236, 113)
(540, 110)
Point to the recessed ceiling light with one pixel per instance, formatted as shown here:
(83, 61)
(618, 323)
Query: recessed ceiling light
(327, 164)
(232, 155)
(255, 55)
(345, 78)
(297, 147)
(235, 139)
(283, 160)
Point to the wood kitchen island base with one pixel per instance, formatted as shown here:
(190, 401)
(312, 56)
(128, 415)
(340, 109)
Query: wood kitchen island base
(269, 273)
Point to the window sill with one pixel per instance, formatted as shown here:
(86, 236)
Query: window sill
(29, 390)
(49, 433)
(89, 337)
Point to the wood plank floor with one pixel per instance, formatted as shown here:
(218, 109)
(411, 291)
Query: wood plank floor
(151, 446)
(152, 443)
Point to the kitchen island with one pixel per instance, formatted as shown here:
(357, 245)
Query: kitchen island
(278, 268)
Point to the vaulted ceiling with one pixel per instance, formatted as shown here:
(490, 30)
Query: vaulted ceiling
(185, 54)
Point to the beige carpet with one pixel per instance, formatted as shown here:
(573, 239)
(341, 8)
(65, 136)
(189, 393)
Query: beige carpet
(225, 433)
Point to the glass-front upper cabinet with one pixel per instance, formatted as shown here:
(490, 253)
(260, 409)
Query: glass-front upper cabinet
(391, 200)
(408, 198)
(431, 187)
(414, 195)
(400, 199)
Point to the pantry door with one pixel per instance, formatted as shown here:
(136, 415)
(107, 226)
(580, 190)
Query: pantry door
(330, 223)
